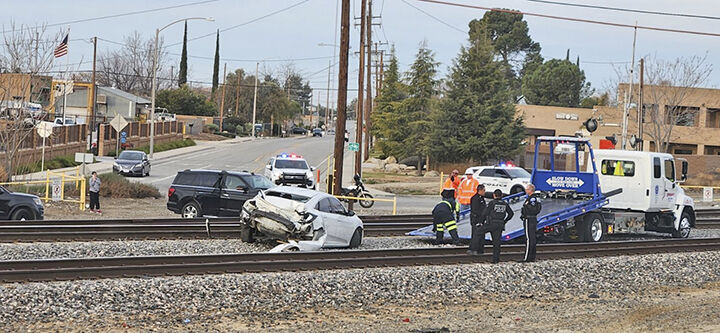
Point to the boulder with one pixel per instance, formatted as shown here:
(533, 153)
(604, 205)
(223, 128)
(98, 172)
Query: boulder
(432, 173)
(393, 168)
(410, 168)
(381, 164)
(391, 160)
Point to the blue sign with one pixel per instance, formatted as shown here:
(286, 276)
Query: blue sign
(581, 182)
(123, 139)
(123, 134)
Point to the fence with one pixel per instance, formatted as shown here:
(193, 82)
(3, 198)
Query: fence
(138, 134)
(55, 184)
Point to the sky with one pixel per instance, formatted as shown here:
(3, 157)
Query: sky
(265, 33)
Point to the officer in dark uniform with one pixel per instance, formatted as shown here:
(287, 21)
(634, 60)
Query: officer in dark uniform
(497, 213)
(530, 210)
(477, 219)
(444, 215)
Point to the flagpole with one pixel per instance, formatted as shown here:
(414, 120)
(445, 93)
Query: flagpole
(67, 75)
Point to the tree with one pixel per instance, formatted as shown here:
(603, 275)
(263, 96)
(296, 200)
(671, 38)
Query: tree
(185, 101)
(182, 77)
(557, 83)
(476, 120)
(216, 65)
(668, 85)
(386, 115)
(591, 101)
(28, 52)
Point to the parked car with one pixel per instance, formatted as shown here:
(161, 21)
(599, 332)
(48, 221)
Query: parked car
(66, 122)
(197, 193)
(507, 178)
(165, 116)
(331, 132)
(309, 219)
(290, 169)
(132, 163)
(317, 132)
(299, 130)
(20, 206)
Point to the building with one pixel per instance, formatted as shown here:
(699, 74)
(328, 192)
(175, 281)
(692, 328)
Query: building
(25, 88)
(110, 102)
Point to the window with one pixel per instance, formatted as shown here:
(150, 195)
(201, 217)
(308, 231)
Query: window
(487, 173)
(257, 181)
(234, 183)
(670, 170)
(656, 167)
(206, 179)
(518, 173)
(293, 197)
(131, 155)
(291, 164)
(184, 178)
(617, 168)
(683, 152)
(324, 205)
(501, 173)
(335, 206)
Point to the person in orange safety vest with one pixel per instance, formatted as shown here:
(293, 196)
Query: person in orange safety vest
(451, 184)
(468, 187)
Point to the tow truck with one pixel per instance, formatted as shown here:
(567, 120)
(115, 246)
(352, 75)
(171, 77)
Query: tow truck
(618, 191)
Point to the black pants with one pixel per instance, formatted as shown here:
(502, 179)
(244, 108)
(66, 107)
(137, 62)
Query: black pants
(94, 200)
(530, 225)
(476, 239)
(495, 231)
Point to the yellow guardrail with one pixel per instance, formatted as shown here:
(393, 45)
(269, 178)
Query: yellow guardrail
(699, 186)
(393, 200)
(50, 177)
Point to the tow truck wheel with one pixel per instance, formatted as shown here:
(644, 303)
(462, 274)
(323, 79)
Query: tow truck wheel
(592, 229)
(356, 239)
(684, 228)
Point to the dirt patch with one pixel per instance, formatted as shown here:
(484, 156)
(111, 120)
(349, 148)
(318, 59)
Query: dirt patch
(112, 208)
(405, 184)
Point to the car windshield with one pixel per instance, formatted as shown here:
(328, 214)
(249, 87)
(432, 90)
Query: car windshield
(289, 196)
(518, 173)
(131, 155)
(291, 164)
(257, 181)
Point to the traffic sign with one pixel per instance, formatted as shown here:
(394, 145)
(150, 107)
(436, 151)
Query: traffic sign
(56, 191)
(707, 194)
(118, 123)
(123, 134)
(123, 139)
(45, 129)
(354, 146)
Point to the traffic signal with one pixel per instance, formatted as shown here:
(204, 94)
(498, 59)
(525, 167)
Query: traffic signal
(591, 125)
(612, 139)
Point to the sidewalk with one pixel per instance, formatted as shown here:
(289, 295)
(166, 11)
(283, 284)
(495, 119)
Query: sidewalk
(104, 164)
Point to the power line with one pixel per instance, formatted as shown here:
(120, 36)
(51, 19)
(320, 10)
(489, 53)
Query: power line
(573, 19)
(629, 10)
(435, 18)
(245, 23)
(115, 15)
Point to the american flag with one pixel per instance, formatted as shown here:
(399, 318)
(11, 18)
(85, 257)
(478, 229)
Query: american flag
(62, 49)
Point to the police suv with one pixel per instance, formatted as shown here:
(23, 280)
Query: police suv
(506, 177)
(290, 169)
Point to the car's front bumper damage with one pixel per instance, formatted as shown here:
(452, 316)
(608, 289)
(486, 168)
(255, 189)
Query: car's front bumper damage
(284, 224)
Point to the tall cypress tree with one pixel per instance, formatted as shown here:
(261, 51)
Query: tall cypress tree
(182, 79)
(387, 124)
(216, 65)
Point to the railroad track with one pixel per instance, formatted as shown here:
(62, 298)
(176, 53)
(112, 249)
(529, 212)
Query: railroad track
(93, 268)
(173, 228)
(708, 218)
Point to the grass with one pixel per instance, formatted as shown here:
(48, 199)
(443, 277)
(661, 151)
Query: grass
(163, 146)
(112, 186)
(54, 163)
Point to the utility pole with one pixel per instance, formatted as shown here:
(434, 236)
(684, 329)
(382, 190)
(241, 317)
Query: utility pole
(327, 104)
(641, 106)
(222, 99)
(368, 93)
(237, 96)
(172, 77)
(257, 64)
(94, 88)
(382, 71)
(361, 88)
(628, 94)
(342, 96)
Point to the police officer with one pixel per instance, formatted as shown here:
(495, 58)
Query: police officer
(444, 215)
(530, 210)
(477, 216)
(497, 213)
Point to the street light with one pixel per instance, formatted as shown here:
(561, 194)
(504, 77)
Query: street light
(154, 80)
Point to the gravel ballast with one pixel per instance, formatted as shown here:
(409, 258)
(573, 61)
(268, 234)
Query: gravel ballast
(262, 300)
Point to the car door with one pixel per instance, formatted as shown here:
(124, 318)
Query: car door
(331, 224)
(233, 194)
(145, 163)
(268, 168)
(207, 192)
(4, 204)
(502, 178)
(343, 227)
(668, 200)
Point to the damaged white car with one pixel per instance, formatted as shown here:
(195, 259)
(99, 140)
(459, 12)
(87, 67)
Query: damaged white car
(308, 220)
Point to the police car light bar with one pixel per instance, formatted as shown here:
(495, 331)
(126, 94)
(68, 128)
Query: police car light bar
(286, 155)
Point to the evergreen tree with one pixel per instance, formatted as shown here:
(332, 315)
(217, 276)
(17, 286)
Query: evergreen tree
(216, 65)
(182, 77)
(567, 55)
(385, 115)
(556, 82)
(476, 120)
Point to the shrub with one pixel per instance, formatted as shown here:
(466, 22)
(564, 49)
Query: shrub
(212, 128)
(165, 146)
(54, 163)
(116, 186)
(225, 134)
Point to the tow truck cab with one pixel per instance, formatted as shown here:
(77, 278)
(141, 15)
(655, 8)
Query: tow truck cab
(652, 198)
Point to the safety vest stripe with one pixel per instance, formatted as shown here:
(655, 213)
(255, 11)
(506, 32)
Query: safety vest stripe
(452, 227)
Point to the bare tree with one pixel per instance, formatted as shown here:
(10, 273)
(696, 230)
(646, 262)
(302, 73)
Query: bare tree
(668, 86)
(25, 55)
(130, 67)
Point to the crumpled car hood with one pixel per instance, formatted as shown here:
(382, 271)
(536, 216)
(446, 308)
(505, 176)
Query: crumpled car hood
(282, 219)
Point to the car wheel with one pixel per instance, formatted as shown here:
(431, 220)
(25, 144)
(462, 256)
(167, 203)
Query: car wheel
(356, 239)
(516, 189)
(191, 210)
(22, 214)
(247, 234)
(592, 228)
(366, 203)
(684, 227)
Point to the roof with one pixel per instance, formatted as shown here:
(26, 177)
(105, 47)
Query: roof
(626, 153)
(217, 171)
(123, 94)
(563, 138)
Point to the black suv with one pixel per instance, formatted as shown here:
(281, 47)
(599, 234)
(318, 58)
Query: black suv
(20, 206)
(197, 193)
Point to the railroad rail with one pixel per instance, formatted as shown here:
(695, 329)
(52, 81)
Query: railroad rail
(115, 267)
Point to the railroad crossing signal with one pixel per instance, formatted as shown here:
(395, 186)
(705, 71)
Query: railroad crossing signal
(354, 146)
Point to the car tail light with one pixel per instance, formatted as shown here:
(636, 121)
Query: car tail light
(171, 191)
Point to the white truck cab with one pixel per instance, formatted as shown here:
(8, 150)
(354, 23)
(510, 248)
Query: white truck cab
(651, 197)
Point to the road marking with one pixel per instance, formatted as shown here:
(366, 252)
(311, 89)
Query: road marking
(162, 179)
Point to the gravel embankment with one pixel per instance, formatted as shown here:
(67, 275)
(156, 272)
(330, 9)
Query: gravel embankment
(261, 300)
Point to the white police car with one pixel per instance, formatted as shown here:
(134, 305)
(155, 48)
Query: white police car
(290, 169)
(506, 177)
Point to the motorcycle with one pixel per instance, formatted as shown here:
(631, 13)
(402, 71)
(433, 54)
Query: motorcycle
(358, 191)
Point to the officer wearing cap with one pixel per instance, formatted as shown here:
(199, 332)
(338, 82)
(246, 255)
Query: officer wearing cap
(530, 210)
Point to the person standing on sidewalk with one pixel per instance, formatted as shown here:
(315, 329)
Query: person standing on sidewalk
(95, 193)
